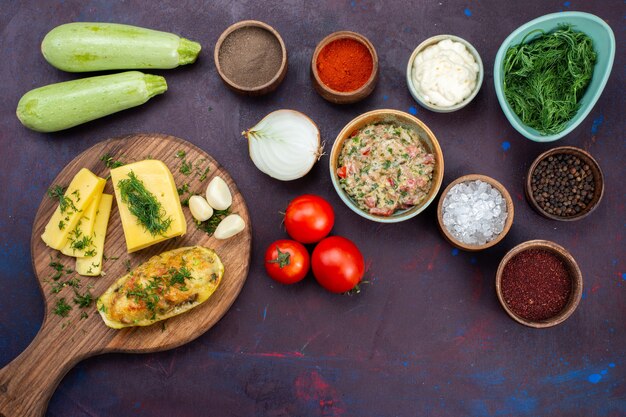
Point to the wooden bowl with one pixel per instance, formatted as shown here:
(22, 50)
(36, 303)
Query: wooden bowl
(509, 208)
(598, 180)
(401, 118)
(269, 86)
(574, 272)
(339, 97)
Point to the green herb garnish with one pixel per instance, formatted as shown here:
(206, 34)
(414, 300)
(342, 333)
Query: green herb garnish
(210, 225)
(184, 189)
(179, 276)
(58, 193)
(111, 163)
(62, 308)
(144, 205)
(83, 301)
(185, 168)
(545, 78)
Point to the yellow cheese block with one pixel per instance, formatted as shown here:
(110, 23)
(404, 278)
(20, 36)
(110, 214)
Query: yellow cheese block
(158, 180)
(81, 191)
(80, 241)
(93, 266)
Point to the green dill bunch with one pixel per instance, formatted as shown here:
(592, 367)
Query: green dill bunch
(545, 78)
(144, 205)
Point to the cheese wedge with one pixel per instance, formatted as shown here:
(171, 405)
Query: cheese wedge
(81, 191)
(159, 182)
(93, 266)
(79, 241)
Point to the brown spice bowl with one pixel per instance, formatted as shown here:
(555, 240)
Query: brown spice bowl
(598, 180)
(574, 272)
(269, 86)
(509, 208)
(339, 97)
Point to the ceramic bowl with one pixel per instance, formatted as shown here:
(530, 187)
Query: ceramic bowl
(586, 158)
(574, 272)
(509, 208)
(269, 86)
(401, 118)
(339, 97)
(415, 92)
(604, 45)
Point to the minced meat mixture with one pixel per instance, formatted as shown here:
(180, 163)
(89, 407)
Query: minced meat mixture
(385, 168)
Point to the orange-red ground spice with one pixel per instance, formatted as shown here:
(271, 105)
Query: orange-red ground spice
(344, 65)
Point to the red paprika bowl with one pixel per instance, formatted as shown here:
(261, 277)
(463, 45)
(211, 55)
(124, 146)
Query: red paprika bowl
(339, 97)
(574, 274)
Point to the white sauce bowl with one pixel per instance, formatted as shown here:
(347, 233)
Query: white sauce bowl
(415, 92)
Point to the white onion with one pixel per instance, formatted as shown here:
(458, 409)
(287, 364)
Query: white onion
(285, 144)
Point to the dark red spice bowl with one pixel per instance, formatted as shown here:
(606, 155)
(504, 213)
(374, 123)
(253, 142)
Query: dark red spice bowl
(551, 252)
(350, 96)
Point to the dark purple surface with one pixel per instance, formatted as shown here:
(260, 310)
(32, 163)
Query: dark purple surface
(428, 336)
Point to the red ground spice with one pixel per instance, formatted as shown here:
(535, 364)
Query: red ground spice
(536, 284)
(345, 65)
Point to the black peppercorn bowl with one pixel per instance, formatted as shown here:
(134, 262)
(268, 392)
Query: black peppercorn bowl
(574, 274)
(578, 208)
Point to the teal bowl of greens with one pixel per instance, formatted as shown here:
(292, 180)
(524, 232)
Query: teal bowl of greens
(546, 105)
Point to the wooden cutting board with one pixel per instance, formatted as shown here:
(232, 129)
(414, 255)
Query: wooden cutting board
(27, 383)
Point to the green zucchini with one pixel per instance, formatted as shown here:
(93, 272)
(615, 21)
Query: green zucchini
(84, 46)
(61, 106)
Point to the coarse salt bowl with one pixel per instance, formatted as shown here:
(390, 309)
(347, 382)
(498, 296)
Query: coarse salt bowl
(604, 45)
(419, 97)
(507, 224)
(428, 140)
(574, 274)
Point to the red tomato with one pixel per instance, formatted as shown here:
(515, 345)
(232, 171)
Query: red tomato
(341, 172)
(309, 218)
(337, 264)
(287, 261)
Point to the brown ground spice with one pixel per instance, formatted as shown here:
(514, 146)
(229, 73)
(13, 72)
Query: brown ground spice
(250, 56)
(536, 284)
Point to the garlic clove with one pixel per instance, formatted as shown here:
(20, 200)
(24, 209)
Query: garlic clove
(200, 209)
(229, 227)
(218, 195)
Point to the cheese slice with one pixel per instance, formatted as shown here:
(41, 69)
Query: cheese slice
(93, 266)
(79, 194)
(83, 232)
(158, 180)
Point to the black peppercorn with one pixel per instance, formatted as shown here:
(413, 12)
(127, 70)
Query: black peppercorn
(562, 185)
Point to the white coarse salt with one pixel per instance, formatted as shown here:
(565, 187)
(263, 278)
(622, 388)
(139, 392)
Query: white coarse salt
(474, 212)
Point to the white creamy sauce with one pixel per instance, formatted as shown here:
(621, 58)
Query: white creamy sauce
(445, 73)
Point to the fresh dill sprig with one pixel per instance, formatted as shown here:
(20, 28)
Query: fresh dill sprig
(210, 225)
(111, 163)
(144, 205)
(545, 78)
(58, 193)
(62, 308)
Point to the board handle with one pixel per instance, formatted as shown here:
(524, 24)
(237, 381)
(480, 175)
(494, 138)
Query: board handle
(27, 383)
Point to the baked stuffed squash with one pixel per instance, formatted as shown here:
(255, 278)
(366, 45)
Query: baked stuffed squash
(164, 286)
